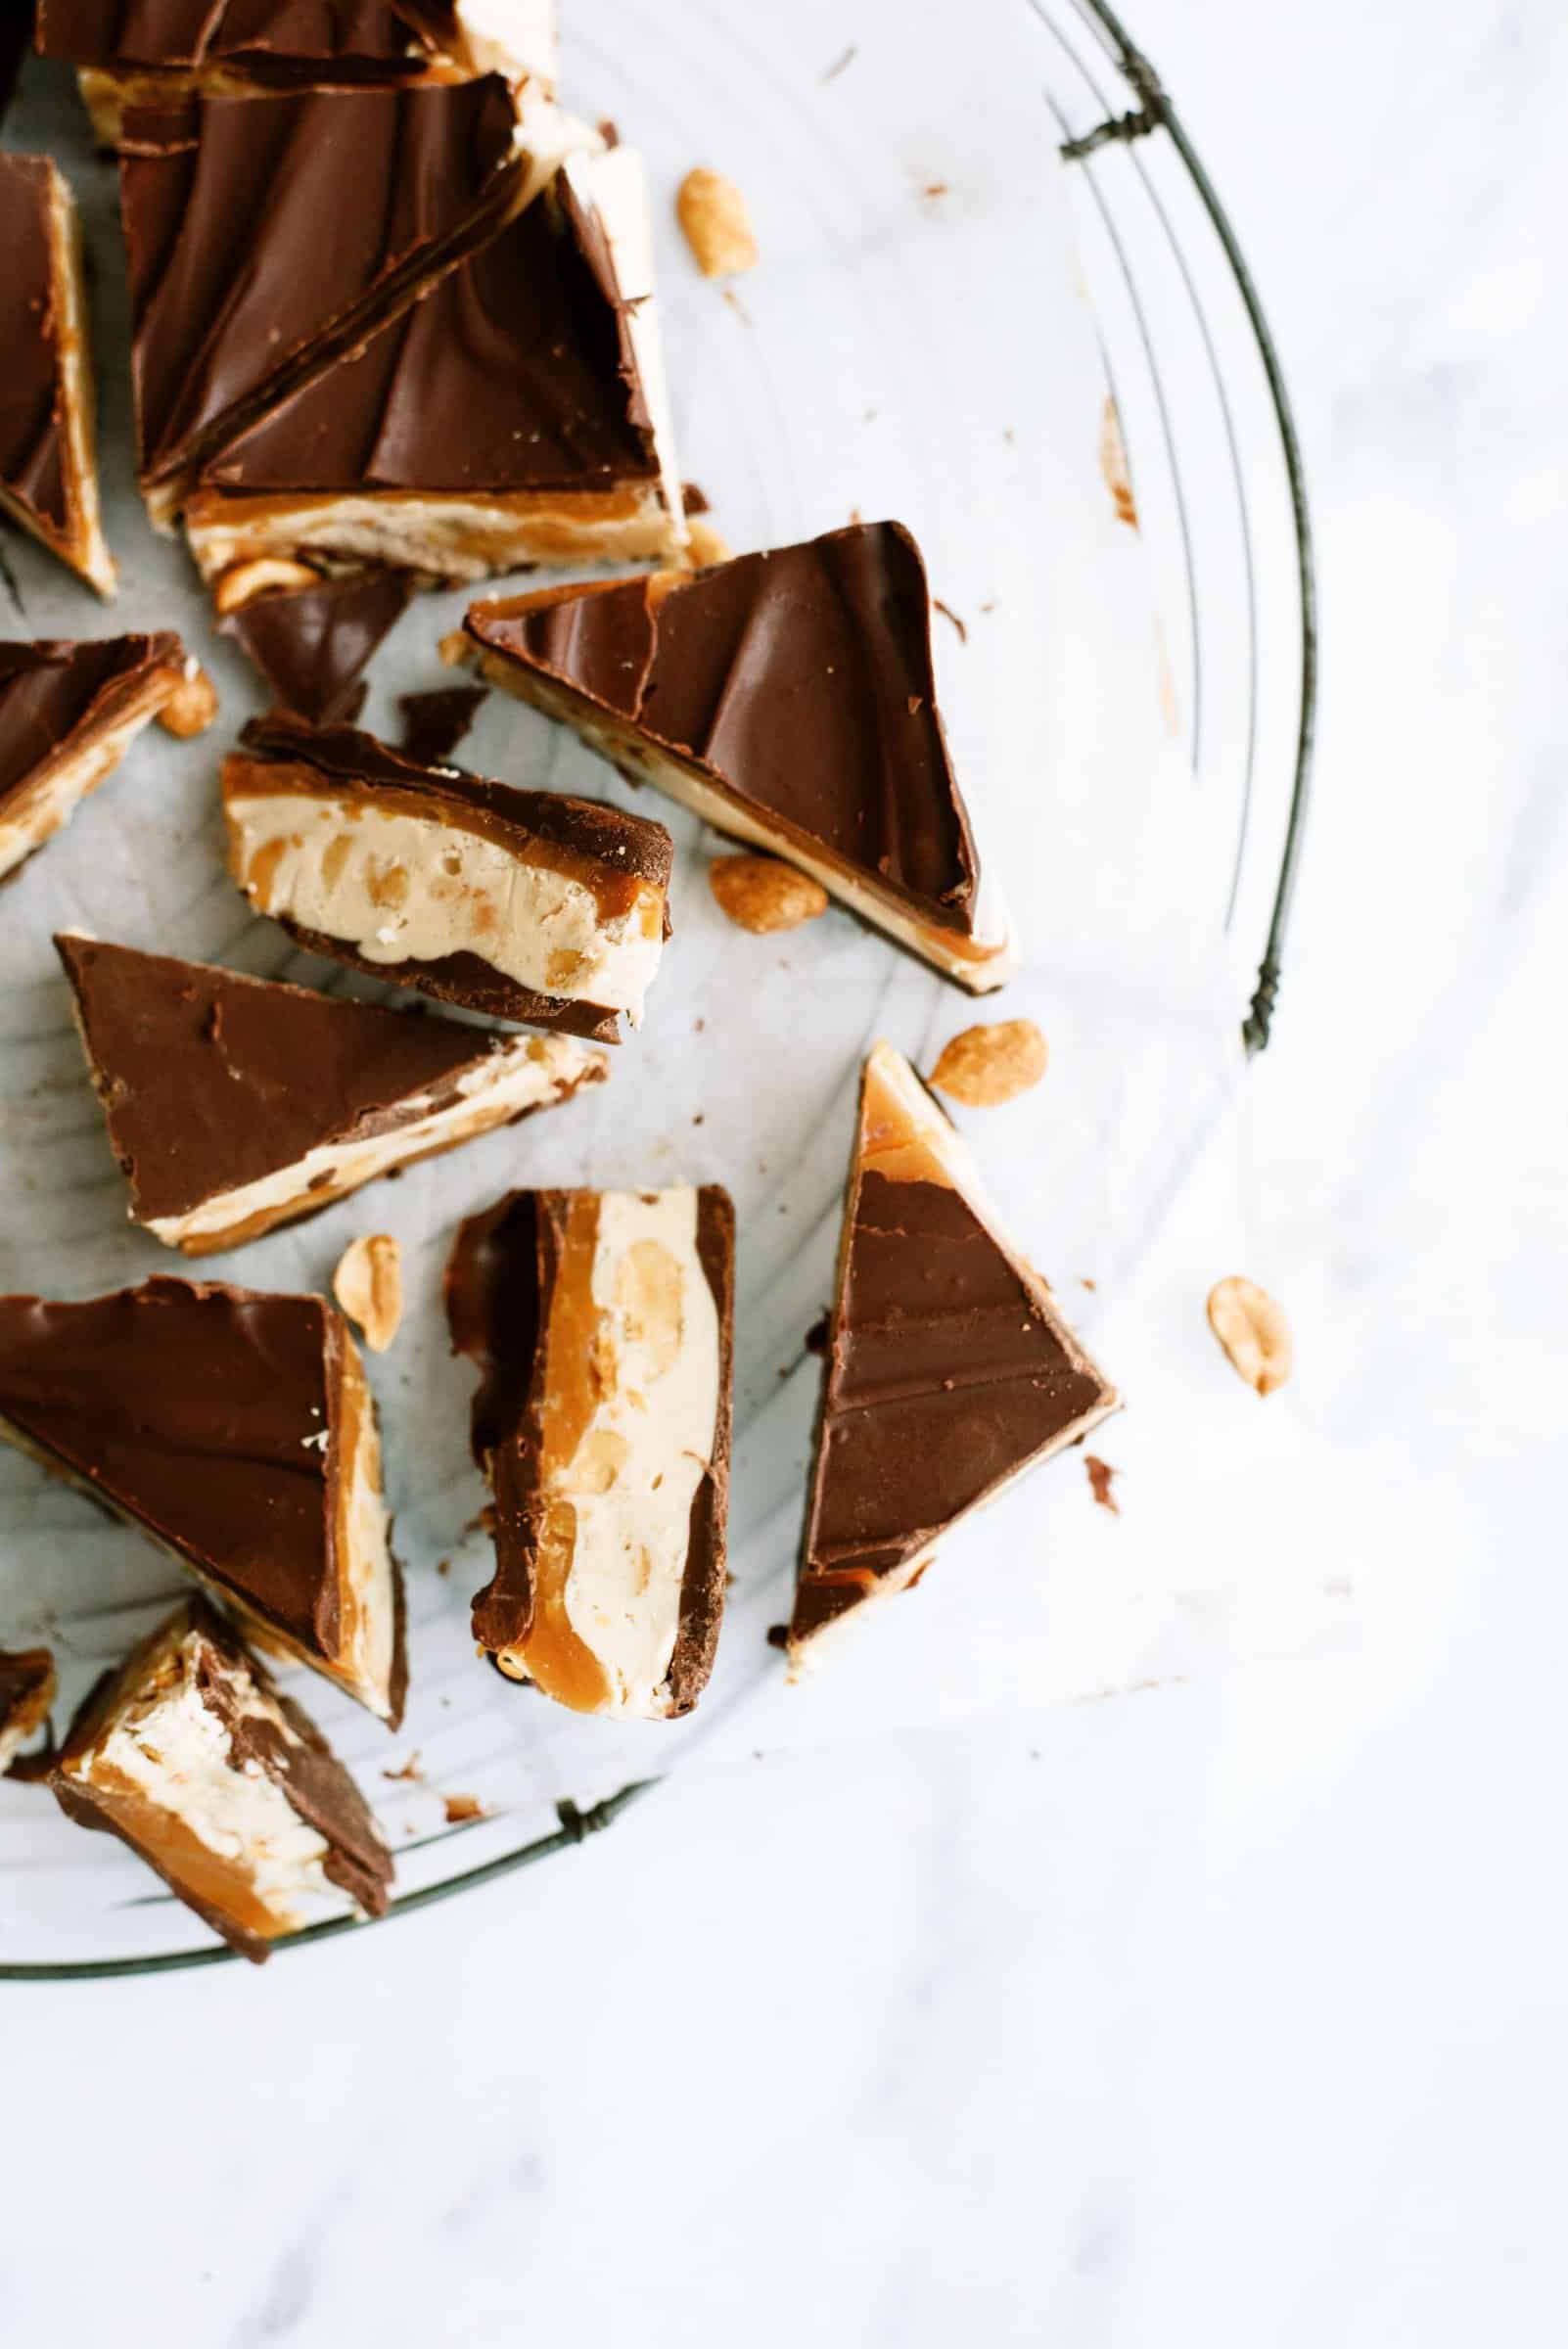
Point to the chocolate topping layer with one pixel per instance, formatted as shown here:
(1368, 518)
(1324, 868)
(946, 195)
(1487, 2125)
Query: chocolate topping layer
(314, 1782)
(801, 682)
(634, 849)
(948, 1371)
(15, 39)
(267, 236)
(435, 723)
(311, 644)
(516, 373)
(282, 41)
(212, 1081)
(613, 853)
(499, 1280)
(53, 690)
(191, 1407)
(32, 466)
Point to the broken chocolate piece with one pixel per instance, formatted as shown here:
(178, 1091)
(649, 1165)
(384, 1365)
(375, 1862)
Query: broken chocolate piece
(237, 1430)
(602, 1323)
(238, 296)
(236, 1104)
(191, 1755)
(149, 52)
(68, 712)
(26, 1692)
(517, 414)
(312, 644)
(435, 723)
(790, 700)
(15, 40)
(48, 447)
(524, 904)
(949, 1369)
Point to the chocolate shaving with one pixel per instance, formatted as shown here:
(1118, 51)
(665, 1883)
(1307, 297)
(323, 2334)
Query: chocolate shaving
(435, 723)
(948, 612)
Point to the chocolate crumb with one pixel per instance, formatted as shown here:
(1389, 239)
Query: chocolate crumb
(937, 187)
(816, 1337)
(1100, 1474)
(694, 499)
(1084, 1282)
(948, 612)
(461, 1806)
(443, 1566)
(846, 61)
(608, 131)
(410, 1768)
(435, 723)
(778, 1634)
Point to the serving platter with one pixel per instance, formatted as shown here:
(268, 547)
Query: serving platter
(967, 253)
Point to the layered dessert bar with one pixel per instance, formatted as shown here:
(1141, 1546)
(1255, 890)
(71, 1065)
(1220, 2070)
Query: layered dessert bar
(950, 1368)
(191, 1755)
(26, 1692)
(68, 712)
(518, 414)
(313, 638)
(238, 294)
(236, 1104)
(790, 700)
(48, 451)
(602, 1326)
(524, 904)
(147, 52)
(237, 1430)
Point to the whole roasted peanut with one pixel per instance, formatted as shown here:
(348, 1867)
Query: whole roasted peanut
(1254, 1332)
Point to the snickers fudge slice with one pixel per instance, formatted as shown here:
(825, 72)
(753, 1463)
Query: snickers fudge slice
(268, 237)
(236, 1104)
(602, 1325)
(518, 414)
(26, 1692)
(68, 712)
(524, 904)
(191, 1755)
(314, 637)
(237, 1430)
(790, 700)
(48, 451)
(147, 52)
(949, 1369)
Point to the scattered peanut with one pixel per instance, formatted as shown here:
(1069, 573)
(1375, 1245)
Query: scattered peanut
(1115, 467)
(243, 583)
(705, 544)
(717, 227)
(760, 895)
(1254, 1332)
(192, 707)
(984, 1066)
(369, 1286)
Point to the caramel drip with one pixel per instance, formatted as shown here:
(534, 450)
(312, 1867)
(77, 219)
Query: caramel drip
(556, 1659)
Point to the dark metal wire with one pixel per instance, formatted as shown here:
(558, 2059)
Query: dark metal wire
(575, 1827)
(1155, 110)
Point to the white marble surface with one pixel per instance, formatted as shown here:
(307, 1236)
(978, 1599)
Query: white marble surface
(1229, 2013)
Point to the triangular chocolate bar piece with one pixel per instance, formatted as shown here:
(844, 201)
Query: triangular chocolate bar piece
(313, 644)
(236, 1104)
(48, 453)
(786, 698)
(267, 236)
(68, 712)
(237, 1430)
(517, 414)
(949, 1369)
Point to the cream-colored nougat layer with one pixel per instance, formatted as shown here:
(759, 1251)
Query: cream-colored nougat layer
(165, 1761)
(367, 1577)
(411, 889)
(447, 540)
(527, 1073)
(625, 1449)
